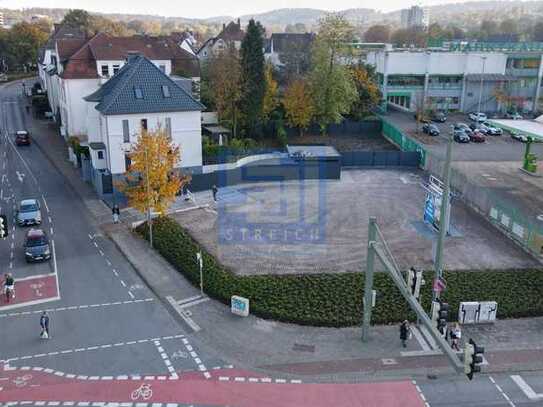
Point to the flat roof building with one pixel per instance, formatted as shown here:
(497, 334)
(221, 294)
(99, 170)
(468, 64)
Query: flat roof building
(496, 79)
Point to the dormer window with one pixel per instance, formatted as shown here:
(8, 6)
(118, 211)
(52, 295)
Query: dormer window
(138, 93)
(105, 70)
(166, 91)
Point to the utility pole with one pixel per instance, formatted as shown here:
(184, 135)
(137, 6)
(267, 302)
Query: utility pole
(149, 217)
(481, 91)
(370, 263)
(443, 216)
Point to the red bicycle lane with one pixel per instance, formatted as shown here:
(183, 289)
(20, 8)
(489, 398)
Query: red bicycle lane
(190, 390)
(32, 290)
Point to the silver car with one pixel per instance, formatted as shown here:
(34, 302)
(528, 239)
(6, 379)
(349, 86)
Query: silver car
(29, 212)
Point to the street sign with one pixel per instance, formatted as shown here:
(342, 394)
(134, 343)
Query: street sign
(474, 312)
(239, 306)
(439, 285)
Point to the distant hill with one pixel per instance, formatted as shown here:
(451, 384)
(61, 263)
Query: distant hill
(457, 13)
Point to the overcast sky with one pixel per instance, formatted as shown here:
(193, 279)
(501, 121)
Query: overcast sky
(207, 8)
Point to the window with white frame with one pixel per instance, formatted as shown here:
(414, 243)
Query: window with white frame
(116, 68)
(126, 132)
(104, 69)
(168, 126)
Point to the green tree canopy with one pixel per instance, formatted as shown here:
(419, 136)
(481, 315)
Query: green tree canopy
(252, 74)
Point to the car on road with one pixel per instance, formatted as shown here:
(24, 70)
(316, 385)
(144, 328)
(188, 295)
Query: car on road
(523, 138)
(478, 117)
(513, 116)
(477, 136)
(3, 77)
(460, 136)
(28, 213)
(36, 246)
(22, 138)
(430, 129)
(440, 117)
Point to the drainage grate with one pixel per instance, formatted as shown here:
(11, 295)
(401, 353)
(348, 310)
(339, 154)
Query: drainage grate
(303, 348)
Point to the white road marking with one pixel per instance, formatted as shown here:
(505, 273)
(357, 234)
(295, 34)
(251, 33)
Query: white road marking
(131, 295)
(526, 388)
(90, 348)
(426, 404)
(45, 203)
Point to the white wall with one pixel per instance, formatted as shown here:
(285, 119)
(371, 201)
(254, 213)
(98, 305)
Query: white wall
(186, 133)
(437, 63)
(93, 124)
(166, 62)
(76, 108)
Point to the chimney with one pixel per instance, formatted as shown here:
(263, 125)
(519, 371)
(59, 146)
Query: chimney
(223, 26)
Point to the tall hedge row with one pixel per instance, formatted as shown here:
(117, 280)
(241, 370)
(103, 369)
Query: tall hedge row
(336, 299)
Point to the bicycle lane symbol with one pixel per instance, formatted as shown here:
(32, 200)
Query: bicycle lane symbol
(144, 392)
(22, 381)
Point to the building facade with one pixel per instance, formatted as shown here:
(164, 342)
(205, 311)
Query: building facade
(490, 80)
(141, 96)
(231, 36)
(415, 16)
(84, 65)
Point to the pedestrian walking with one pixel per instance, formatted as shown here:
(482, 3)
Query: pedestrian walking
(456, 335)
(44, 324)
(215, 191)
(405, 332)
(116, 213)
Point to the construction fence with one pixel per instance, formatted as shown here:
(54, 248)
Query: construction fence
(504, 214)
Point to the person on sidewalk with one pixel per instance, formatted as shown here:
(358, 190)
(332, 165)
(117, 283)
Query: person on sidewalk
(456, 334)
(404, 332)
(116, 213)
(215, 191)
(44, 324)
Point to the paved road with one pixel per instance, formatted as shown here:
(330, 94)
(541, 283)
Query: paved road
(113, 341)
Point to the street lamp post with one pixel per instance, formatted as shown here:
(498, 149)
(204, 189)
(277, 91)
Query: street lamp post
(149, 217)
(200, 261)
(481, 90)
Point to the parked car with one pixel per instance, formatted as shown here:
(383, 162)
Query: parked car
(464, 127)
(460, 136)
(28, 212)
(440, 117)
(513, 116)
(36, 246)
(490, 130)
(478, 117)
(430, 129)
(22, 138)
(477, 136)
(3, 77)
(523, 138)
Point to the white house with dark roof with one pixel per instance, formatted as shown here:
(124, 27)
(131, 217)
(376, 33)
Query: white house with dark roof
(231, 36)
(140, 96)
(83, 65)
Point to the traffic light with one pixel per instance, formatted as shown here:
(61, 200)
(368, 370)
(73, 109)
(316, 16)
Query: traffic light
(414, 281)
(440, 315)
(3, 226)
(473, 357)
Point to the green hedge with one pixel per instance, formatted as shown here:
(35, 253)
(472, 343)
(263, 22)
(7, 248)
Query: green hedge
(336, 299)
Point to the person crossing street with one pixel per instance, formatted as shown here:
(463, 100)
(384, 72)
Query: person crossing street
(44, 324)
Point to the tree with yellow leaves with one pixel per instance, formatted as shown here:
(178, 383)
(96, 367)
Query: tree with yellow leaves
(152, 183)
(270, 100)
(298, 104)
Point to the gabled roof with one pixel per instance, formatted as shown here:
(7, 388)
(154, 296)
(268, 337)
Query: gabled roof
(82, 62)
(118, 95)
(230, 33)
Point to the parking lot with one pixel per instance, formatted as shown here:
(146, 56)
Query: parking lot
(495, 148)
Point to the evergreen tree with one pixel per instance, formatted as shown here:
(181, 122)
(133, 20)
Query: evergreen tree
(252, 74)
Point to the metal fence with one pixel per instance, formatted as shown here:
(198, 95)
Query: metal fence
(402, 141)
(380, 158)
(503, 213)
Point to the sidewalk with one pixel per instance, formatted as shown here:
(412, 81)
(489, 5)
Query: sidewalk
(254, 343)
(322, 353)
